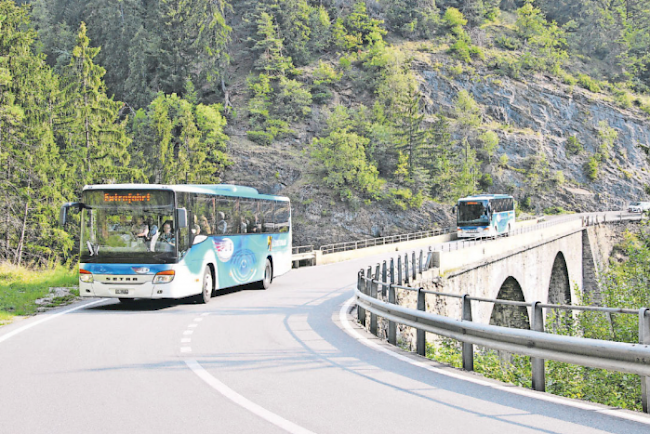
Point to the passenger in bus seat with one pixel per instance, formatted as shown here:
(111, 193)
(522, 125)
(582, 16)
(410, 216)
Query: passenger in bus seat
(222, 225)
(196, 229)
(153, 229)
(205, 226)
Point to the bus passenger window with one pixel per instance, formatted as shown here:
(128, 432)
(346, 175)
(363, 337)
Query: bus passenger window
(248, 215)
(225, 216)
(267, 211)
(282, 213)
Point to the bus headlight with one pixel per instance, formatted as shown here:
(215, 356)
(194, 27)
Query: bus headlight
(164, 276)
(85, 276)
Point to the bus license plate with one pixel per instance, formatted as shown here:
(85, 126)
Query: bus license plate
(121, 292)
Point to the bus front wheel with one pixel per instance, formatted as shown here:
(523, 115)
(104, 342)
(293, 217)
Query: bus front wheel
(268, 275)
(206, 290)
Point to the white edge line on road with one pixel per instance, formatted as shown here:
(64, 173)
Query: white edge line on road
(243, 402)
(45, 318)
(343, 319)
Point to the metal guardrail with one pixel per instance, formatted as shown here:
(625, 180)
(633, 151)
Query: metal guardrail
(376, 293)
(587, 220)
(371, 242)
(296, 250)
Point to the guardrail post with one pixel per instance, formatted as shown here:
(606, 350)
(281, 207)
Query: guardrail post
(392, 327)
(644, 338)
(414, 267)
(421, 266)
(361, 312)
(468, 349)
(399, 270)
(392, 271)
(369, 275)
(384, 279)
(407, 277)
(537, 364)
(421, 334)
(373, 316)
(429, 259)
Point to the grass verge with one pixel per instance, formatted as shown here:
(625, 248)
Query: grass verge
(20, 287)
(615, 389)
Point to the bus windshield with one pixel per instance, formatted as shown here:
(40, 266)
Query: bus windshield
(473, 213)
(128, 227)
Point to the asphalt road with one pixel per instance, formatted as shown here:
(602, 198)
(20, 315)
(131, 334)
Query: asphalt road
(287, 359)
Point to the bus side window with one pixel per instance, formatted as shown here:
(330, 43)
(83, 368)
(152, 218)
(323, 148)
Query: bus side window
(225, 217)
(267, 211)
(183, 240)
(282, 213)
(248, 215)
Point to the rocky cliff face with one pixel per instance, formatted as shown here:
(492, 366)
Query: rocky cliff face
(532, 117)
(537, 117)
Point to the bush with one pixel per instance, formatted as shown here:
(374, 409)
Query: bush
(573, 146)
(588, 83)
(260, 137)
(591, 168)
(508, 43)
(554, 210)
(486, 181)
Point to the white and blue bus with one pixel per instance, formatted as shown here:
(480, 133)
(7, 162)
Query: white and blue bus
(175, 241)
(486, 215)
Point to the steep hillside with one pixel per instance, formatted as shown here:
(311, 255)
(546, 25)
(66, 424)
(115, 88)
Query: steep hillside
(374, 116)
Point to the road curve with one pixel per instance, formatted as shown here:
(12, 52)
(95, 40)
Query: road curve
(253, 361)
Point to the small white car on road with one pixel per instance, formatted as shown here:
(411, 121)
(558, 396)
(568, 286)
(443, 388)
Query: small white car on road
(638, 207)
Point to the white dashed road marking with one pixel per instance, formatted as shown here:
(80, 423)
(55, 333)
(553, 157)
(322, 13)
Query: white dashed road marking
(243, 402)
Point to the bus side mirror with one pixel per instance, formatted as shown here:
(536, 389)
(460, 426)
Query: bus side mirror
(63, 215)
(453, 210)
(182, 218)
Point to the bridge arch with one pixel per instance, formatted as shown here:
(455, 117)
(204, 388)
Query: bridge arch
(559, 292)
(559, 287)
(506, 315)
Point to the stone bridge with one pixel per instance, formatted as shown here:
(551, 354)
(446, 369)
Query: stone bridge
(550, 263)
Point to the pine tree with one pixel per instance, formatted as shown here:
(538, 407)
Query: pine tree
(269, 48)
(93, 140)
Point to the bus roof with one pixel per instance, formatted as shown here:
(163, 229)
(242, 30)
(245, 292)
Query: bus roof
(486, 197)
(220, 189)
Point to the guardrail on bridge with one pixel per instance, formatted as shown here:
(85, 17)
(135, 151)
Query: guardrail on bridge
(376, 294)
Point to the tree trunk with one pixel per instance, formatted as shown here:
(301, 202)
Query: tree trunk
(19, 252)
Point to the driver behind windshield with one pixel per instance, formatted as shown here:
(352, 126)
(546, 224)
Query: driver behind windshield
(139, 228)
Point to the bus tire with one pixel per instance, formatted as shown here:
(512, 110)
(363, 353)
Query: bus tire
(268, 275)
(509, 229)
(206, 288)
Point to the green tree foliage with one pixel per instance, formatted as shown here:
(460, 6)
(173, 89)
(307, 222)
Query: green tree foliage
(462, 46)
(545, 42)
(340, 157)
(177, 141)
(357, 30)
(292, 102)
(489, 141)
(592, 167)
(269, 48)
(416, 18)
(93, 141)
(33, 178)
(573, 146)
(606, 138)
(265, 127)
(146, 46)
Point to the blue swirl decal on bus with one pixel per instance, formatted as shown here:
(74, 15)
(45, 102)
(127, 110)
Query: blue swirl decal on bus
(243, 265)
